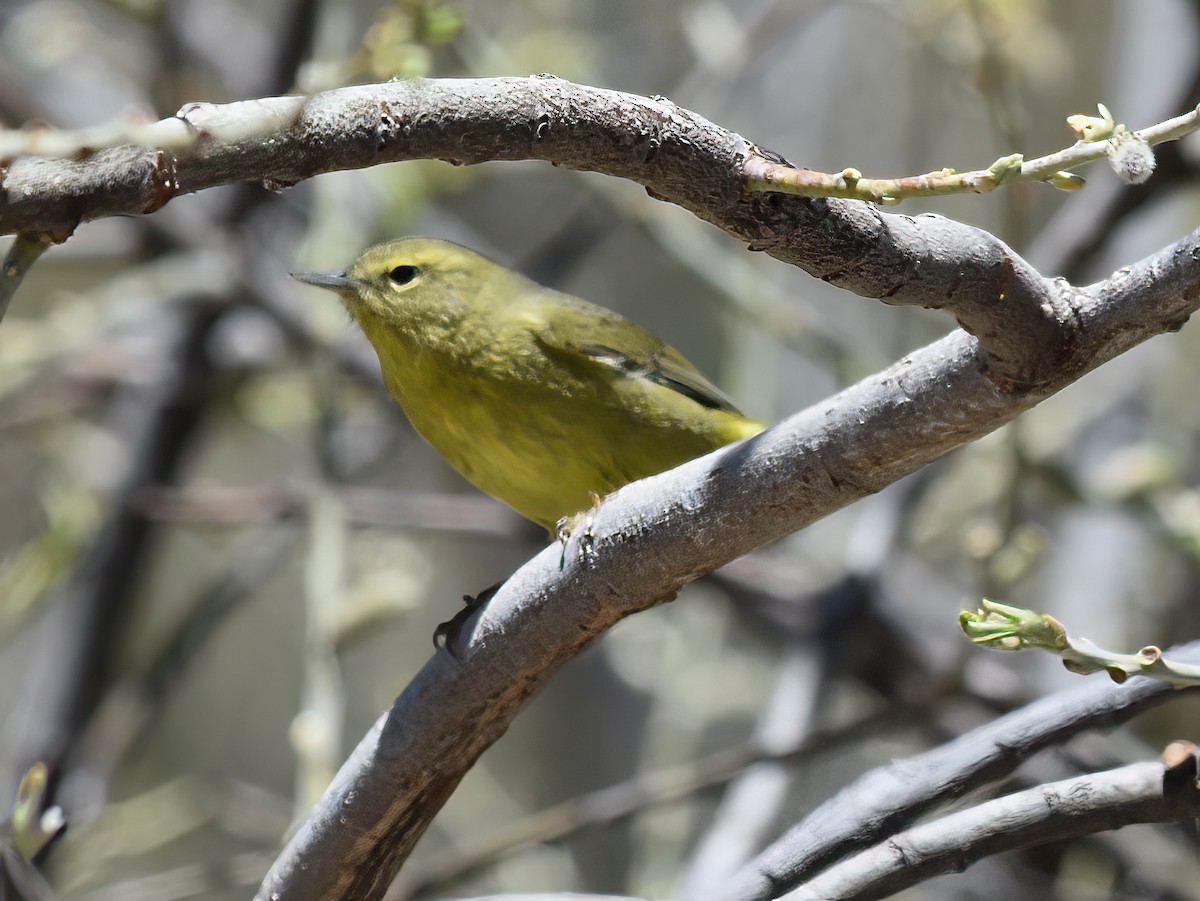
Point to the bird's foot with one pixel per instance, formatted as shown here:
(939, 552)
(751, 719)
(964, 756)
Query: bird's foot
(580, 525)
(447, 634)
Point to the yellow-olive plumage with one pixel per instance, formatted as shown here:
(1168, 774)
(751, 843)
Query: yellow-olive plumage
(542, 400)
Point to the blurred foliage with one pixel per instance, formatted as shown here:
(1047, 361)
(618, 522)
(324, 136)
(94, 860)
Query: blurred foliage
(183, 778)
(33, 570)
(1018, 35)
(398, 44)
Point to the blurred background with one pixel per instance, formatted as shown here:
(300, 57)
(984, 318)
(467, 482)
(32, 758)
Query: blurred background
(223, 551)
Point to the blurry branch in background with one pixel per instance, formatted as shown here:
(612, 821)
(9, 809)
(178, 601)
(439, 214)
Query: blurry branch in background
(160, 417)
(881, 802)
(746, 816)
(642, 792)
(123, 716)
(22, 254)
(841, 615)
(316, 730)
(1139, 793)
(29, 574)
(212, 505)
(111, 843)
(1006, 628)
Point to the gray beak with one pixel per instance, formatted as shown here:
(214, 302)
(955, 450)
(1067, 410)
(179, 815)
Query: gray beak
(332, 281)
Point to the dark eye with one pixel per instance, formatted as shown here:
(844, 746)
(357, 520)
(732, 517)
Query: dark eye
(402, 275)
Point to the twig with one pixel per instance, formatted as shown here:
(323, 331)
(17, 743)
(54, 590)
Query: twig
(318, 727)
(1079, 231)
(381, 508)
(765, 173)
(1005, 628)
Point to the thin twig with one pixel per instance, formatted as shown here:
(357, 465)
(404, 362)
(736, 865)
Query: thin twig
(764, 173)
(1005, 628)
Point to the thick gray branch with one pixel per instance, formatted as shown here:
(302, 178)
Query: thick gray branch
(648, 539)
(1024, 322)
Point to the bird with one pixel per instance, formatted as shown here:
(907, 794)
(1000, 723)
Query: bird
(538, 398)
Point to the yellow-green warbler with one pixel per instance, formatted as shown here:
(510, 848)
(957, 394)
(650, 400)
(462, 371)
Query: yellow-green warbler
(542, 400)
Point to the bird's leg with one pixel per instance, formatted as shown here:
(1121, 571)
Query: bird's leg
(566, 527)
(446, 634)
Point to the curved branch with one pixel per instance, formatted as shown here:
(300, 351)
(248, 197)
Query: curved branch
(1023, 321)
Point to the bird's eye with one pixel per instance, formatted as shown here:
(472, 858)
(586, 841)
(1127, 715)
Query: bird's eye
(402, 275)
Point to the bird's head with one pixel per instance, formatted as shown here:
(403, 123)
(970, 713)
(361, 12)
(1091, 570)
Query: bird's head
(406, 282)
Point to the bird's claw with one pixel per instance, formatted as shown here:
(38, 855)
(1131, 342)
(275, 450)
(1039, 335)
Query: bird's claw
(446, 634)
(577, 523)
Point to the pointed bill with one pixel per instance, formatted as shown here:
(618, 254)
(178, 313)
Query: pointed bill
(332, 281)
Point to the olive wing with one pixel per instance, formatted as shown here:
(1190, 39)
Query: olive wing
(601, 337)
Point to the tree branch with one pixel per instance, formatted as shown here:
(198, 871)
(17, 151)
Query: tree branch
(1024, 322)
